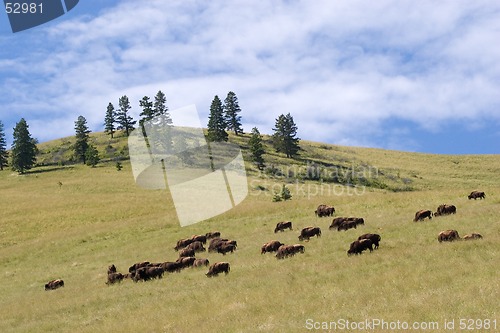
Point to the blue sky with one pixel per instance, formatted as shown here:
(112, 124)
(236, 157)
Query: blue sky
(416, 76)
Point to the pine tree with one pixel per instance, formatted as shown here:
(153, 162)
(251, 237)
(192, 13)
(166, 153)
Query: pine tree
(147, 110)
(231, 110)
(216, 123)
(125, 122)
(160, 109)
(92, 156)
(4, 154)
(82, 139)
(109, 120)
(23, 148)
(256, 148)
(285, 136)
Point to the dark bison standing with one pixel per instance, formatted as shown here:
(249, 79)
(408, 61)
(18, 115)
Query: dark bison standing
(271, 246)
(54, 284)
(199, 238)
(186, 252)
(472, 236)
(281, 226)
(347, 224)
(112, 269)
(336, 222)
(476, 194)
(448, 236)
(114, 277)
(375, 238)
(138, 265)
(147, 273)
(309, 232)
(201, 262)
(324, 210)
(218, 267)
(422, 214)
(212, 234)
(358, 246)
(225, 248)
(445, 210)
(182, 243)
(289, 250)
(171, 267)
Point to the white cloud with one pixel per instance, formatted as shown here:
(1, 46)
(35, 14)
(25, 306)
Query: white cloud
(340, 68)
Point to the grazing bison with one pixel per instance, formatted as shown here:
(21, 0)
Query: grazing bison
(186, 252)
(114, 277)
(324, 210)
(422, 214)
(336, 222)
(201, 262)
(138, 265)
(472, 236)
(271, 246)
(445, 210)
(212, 234)
(225, 248)
(199, 238)
(289, 250)
(217, 243)
(54, 284)
(196, 246)
(171, 267)
(218, 267)
(358, 246)
(309, 232)
(375, 238)
(347, 224)
(281, 226)
(476, 194)
(182, 243)
(148, 273)
(448, 236)
(186, 261)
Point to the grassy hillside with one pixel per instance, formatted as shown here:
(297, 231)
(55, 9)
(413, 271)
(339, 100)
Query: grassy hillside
(98, 216)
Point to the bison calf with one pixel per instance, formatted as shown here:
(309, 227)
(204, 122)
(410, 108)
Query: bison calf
(54, 284)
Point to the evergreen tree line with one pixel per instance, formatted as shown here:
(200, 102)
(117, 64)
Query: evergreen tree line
(223, 117)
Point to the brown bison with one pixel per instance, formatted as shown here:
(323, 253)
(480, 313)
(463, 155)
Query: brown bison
(201, 262)
(148, 273)
(476, 194)
(448, 236)
(182, 243)
(54, 284)
(422, 214)
(225, 248)
(347, 224)
(298, 248)
(186, 261)
(472, 236)
(186, 252)
(324, 210)
(216, 243)
(138, 265)
(111, 269)
(336, 222)
(358, 246)
(114, 277)
(171, 267)
(309, 232)
(271, 246)
(196, 246)
(281, 226)
(445, 210)
(375, 238)
(199, 238)
(217, 268)
(289, 250)
(212, 234)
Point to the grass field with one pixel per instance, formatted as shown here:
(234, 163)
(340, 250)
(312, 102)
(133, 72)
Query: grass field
(98, 216)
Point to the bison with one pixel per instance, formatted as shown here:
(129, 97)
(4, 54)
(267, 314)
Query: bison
(309, 232)
(111, 269)
(201, 262)
(148, 273)
(138, 265)
(445, 210)
(281, 226)
(476, 194)
(472, 236)
(347, 224)
(422, 214)
(285, 251)
(225, 248)
(114, 277)
(199, 238)
(181, 243)
(186, 261)
(217, 268)
(358, 246)
(271, 246)
(336, 222)
(171, 267)
(186, 252)
(54, 284)
(212, 234)
(375, 238)
(448, 236)
(324, 210)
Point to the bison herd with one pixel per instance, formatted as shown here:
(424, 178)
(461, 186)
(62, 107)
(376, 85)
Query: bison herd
(188, 248)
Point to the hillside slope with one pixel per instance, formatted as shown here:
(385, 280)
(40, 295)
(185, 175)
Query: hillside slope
(70, 221)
